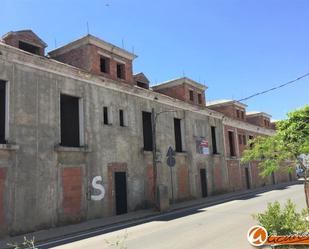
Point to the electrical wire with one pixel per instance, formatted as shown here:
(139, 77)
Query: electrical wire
(273, 89)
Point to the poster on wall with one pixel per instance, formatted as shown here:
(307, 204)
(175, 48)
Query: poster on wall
(202, 146)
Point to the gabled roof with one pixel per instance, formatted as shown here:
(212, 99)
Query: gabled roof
(225, 102)
(180, 81)
(90, 39)
(257, 113)
(25, 31)
(140, 77)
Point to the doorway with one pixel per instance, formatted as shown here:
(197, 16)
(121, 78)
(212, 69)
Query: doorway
(121, 192)
(273, 178)
(203, 182)
(247, 174)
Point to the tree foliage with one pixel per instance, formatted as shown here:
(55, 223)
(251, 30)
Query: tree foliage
(290, 141)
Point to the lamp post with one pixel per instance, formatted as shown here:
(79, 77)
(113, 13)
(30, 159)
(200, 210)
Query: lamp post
(154, 118)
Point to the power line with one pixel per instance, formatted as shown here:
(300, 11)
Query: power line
(272, 89)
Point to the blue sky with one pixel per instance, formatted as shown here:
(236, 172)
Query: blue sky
(237, 47)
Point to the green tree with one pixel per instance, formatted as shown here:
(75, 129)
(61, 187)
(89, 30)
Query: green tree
(284, 148)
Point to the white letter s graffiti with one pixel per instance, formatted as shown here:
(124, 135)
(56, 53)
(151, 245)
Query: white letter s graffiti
(99, 187)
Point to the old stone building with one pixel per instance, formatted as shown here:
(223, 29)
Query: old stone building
(76, 135)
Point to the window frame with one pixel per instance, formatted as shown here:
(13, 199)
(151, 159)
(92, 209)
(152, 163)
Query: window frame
(122, 74)
(232, 145)
(214, 140)
(178, 137)
(106, 64)
(80, 120)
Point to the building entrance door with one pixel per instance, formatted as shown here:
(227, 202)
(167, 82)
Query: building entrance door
(121, 192)
(203, 182)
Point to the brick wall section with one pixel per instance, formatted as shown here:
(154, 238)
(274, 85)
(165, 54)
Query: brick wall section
(13, 40)
(258, 120)
(76, 57)
(150, 181)
(183, 182)
(87, 57)
(229, 111)
(235, 175)
(72, 190)
(177, 92)
(218, 175)
(2, 191)
(182, 92)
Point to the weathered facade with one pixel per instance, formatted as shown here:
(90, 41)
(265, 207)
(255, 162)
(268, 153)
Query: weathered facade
(78, 120)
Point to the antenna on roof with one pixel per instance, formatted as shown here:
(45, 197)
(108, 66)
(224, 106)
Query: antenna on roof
(122, 42)
(55, 43)
(87, 28)
(132, 49)
(183, 73)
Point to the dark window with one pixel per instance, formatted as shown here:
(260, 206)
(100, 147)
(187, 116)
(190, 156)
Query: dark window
(242, 115)
(199, 96)
(231, 143)
(239, 139)
(2, 111)
(238, 113)
(147, 131)
(251, 144)
(265, 122)
(191, 95)
(214, 140)
(177, 129)
(29, 48)
(121, 120)
(69, 121)
(104, 64)
(244, 139)
(105, 115)
(120, 71)
(143, 85)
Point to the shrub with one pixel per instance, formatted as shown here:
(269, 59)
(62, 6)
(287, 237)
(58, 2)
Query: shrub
(285, 220)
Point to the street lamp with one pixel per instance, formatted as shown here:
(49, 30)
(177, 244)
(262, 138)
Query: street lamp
(154, 118)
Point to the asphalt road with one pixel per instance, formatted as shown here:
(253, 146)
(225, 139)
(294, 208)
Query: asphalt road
(217, 227)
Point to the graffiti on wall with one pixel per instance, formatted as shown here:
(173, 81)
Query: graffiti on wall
(99, 190)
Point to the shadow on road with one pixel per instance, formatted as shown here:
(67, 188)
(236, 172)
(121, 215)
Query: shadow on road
(165, 217)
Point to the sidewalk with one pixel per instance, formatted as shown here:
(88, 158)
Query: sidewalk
(106, 224)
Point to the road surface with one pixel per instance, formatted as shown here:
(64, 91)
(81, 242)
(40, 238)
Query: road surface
(217, 227)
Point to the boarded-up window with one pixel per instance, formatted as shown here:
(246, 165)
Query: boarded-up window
(177, 130)
(231, 143)
(69, 121)
(147, 131)
(214, 140)
(2, 111)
